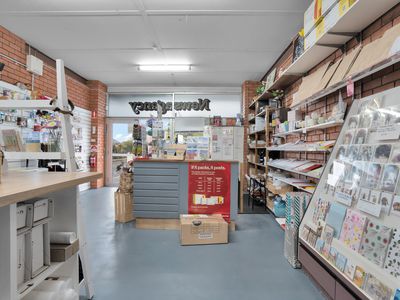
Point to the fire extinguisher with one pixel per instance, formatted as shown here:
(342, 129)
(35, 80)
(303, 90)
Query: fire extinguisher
(93, 161)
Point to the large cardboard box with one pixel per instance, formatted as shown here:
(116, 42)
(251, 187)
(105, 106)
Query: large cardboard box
(123, 207)
(203, 230)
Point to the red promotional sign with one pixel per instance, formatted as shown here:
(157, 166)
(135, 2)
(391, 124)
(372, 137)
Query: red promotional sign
(210, 188)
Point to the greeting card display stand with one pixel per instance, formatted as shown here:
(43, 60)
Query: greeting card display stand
(349, 236)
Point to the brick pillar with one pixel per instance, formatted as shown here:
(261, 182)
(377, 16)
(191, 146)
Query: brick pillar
(248, 93)
(98, 99)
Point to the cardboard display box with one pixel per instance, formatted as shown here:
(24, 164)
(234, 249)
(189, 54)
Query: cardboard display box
(61, 253)
(203, 230)
(123, 207)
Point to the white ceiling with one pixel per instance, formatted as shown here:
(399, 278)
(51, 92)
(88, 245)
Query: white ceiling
(226, 41)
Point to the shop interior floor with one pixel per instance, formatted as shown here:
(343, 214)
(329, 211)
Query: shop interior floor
(128, 263)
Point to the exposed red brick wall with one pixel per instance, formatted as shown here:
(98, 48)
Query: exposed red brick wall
(80, 91)
(98, 99)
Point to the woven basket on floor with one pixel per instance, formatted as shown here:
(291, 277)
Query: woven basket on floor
(126, 182)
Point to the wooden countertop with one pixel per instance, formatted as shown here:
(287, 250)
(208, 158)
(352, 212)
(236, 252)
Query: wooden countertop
(20, 186)
(183, 161)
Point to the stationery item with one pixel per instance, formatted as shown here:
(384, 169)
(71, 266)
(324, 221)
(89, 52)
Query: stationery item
(305, 232)
(319, 245)
(395, 206)
(392, 262)
(350, 269)
(397, 295)
(349, 136)
(12, 140)
(382, 153)
(386, 202)
(341, 261)
(361, 136)
(366, 153)
(328, 234)
(352, 230)
(335, 218)
(333, 255)
(375, 242)
(373, 176)
(395, 157)
(376, 289)
(359, 277)
(320, 210)
(390, 178)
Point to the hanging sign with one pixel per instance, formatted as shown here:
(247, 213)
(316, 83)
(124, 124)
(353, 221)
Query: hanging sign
(199, 105)
(210, 188)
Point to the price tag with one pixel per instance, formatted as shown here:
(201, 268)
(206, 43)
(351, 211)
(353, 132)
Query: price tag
(350, 87)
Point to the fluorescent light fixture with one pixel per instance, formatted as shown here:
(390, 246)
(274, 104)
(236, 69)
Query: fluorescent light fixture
(164, 68)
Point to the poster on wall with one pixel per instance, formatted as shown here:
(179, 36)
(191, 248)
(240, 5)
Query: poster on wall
(210, 188)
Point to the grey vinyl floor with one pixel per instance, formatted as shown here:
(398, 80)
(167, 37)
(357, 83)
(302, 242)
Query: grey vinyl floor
(127, 263)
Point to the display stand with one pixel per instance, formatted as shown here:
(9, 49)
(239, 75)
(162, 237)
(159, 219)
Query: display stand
(68, 152)
(349, 237)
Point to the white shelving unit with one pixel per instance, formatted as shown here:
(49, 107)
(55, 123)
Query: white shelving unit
(287, 181)
(311, 128)
(360, 15)
(292, 171)
(22, 186)
(25, 104)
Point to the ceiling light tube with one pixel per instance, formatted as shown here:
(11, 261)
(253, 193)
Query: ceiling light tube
(164, 68)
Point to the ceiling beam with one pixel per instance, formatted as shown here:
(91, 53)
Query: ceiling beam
(138, 13)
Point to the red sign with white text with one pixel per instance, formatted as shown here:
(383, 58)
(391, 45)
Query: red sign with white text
(210, 188)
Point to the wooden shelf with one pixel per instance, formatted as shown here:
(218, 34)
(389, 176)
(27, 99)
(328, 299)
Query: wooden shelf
(311, 128)
(20, 186)
(25, 104)
(358, 17)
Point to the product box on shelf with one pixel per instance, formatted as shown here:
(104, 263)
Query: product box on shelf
(61, 252)
(40, 253)
(43, 210)
(295, 115)
(317, 9)
(203, 230)
(326, 22)
(23, 256)
(24, 217)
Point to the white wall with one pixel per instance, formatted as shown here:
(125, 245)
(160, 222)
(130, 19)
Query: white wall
(225, 105)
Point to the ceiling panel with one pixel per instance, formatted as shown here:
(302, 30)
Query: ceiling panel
(65, 5)
(226, 41)
(296, 5)
(239, 32)
(80, 32)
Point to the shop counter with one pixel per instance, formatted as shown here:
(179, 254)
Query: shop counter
(164, 189)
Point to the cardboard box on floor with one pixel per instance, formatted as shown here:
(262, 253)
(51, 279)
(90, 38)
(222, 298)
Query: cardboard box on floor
(203, 230)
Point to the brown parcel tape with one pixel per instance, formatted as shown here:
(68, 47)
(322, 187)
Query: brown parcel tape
(203, 230)
(123, 207)
(61, 253)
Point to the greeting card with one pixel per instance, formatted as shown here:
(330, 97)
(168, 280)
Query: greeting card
(341, 261)
(386, 202)
(395, 206)
(375, 242)
(319, 245)
(352, 230)
(376, 289)
(359, 277)
(350, 269)
(392, 262)
(397, 295)
(320, 210)
(335, 218)
(332, 255)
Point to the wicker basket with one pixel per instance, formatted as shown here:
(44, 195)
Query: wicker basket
(126, 182)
